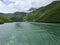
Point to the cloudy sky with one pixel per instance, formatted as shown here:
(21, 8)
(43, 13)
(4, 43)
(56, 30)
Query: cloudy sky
(10, 6)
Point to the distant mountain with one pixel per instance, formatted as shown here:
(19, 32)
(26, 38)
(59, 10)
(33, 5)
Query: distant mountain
(17, 16)
(18, 13)
(48, 14)
(32, 9)
(1, 13)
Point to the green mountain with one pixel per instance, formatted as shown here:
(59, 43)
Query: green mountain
(48, 14)
(18, 16)
(32, 9)
(3, 20)
(11, 17)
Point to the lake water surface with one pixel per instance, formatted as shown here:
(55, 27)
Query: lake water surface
(24, 33)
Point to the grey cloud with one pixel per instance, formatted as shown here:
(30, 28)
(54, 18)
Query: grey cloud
(22, 5)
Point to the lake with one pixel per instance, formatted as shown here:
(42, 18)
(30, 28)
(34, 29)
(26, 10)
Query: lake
(24, 33)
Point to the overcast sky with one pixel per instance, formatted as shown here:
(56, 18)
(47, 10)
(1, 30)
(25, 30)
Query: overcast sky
(10, 6)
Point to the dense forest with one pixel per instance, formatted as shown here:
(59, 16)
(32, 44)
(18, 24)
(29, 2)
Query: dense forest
(46, 14)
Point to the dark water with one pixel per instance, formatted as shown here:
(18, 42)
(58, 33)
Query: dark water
(29, 34)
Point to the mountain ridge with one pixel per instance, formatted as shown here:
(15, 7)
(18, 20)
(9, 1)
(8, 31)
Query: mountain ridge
(47, 14)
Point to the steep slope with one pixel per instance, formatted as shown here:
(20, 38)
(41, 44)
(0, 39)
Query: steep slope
(49, 13)
(17, 16)
(3, 20)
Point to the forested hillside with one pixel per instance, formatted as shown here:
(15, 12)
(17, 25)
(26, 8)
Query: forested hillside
(12, 17)
(48, 14)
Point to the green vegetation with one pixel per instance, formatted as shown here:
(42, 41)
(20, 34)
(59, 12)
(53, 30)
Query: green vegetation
(11, 17)
(18, 16)
(48, 14)
(3, 20)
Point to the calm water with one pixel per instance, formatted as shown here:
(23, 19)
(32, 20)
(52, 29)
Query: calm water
(29, 34)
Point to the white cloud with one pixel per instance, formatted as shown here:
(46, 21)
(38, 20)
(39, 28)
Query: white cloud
(22, 5)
